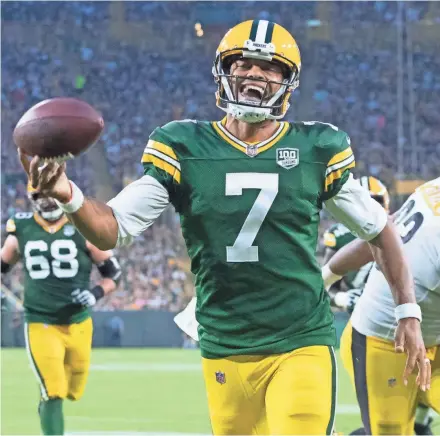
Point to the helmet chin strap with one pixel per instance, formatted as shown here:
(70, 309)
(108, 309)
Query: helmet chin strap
(53, 215)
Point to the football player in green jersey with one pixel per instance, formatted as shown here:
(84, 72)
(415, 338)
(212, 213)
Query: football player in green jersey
(57, 300)
(249, 190)
(346, 292)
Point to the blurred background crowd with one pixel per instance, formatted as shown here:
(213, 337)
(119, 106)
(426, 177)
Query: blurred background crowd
(371, 68)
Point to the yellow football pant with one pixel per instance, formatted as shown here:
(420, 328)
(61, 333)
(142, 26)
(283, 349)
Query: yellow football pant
(291, 393)
(387, 406)
(60, 357)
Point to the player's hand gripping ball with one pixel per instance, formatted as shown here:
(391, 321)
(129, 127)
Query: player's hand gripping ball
(58, 129)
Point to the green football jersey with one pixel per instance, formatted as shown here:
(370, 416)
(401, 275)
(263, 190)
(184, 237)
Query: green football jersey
(337, 236)
(249, 216)
(56, 262)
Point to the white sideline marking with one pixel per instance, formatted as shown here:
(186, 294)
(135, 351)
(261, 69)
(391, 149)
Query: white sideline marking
(156, 367)
(126, 433)
(347, 409)
(111, 419)
(342, 409)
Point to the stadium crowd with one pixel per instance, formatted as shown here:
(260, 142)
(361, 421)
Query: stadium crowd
(138, 87)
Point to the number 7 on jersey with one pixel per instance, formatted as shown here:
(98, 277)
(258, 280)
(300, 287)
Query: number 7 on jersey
(243, 250)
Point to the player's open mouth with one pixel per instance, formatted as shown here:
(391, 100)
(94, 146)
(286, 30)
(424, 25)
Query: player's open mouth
(251, 93)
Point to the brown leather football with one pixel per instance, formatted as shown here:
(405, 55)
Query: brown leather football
(58, 127)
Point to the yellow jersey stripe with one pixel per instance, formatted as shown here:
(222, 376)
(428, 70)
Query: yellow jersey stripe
(226, 138)
(165, 149)
(163, 165)
(329, 240)
(47, 226)
(283, 128)
(275, 140)
(340, 156)
(10, 226)
(339, 165)
(337, 174)
(162, 156)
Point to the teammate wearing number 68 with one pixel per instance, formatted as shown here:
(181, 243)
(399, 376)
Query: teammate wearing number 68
(57, 297)
(249, 190)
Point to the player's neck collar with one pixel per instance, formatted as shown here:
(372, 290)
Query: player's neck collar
(48, 226)
(251, 149)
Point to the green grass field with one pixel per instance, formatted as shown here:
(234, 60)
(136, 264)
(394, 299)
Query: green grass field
(148, 391)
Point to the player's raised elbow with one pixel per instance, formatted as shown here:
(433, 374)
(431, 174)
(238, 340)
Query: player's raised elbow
(104, 244)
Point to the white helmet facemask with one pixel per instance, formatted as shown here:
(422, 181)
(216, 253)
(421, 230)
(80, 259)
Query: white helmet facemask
(46, 207)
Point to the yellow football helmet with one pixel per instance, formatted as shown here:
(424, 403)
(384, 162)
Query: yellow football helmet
(377, 190)
(264, 40)
(45, 206)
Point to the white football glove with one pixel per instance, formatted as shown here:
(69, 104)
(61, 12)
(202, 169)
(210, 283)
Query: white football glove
(186, 320)
(347, 300)
(83, 297)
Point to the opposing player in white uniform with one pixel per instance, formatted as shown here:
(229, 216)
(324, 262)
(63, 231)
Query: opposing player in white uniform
(367, 348)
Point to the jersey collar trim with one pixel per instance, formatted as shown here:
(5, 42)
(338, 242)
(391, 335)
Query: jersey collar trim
(259, 147)
(50, 228)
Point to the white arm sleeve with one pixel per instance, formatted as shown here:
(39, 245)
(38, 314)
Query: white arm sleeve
(137, 206)
(353, 207)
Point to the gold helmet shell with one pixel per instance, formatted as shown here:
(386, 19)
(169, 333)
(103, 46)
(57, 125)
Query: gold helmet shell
(377, 190)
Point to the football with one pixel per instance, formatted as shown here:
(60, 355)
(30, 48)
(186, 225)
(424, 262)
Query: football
(59, 128)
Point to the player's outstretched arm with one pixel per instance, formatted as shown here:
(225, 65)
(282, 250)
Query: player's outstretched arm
(125, 217)
(363, 216)
(386, 249)
(10, 253)
(94, 219)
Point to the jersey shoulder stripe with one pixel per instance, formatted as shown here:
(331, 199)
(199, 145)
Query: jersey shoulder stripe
(336, 170)
(10, 226)
(163, 148)
(341, 156)
(329, 239)
(163, 157)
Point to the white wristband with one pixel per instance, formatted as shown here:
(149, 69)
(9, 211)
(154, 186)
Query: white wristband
(408, 310)
(75, 202)
(329, 276)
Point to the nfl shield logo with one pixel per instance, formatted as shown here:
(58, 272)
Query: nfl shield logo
(287, 157)
(251, 150)
(220, 377)
(69, 230)
(392, 382)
